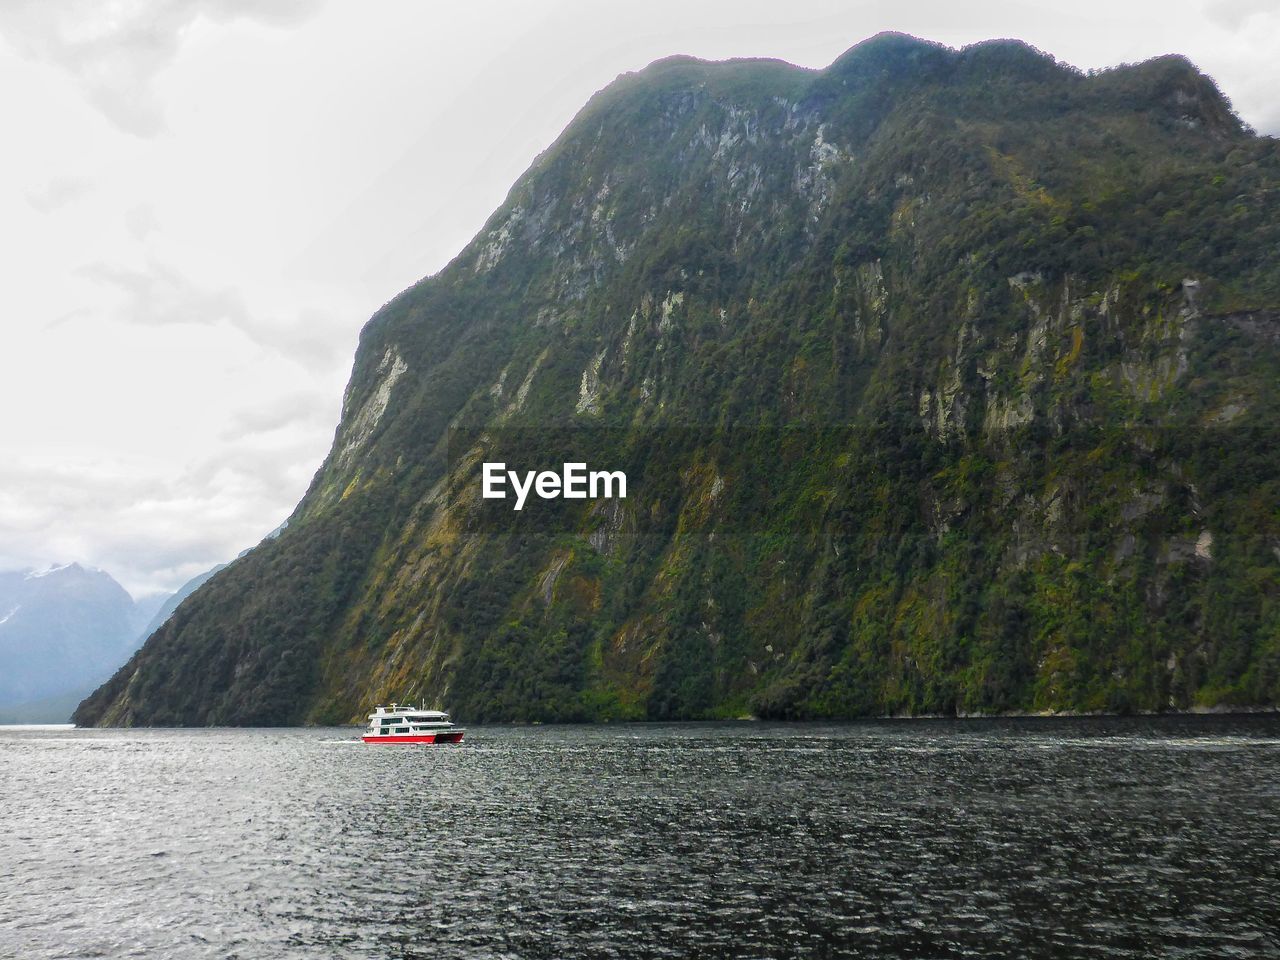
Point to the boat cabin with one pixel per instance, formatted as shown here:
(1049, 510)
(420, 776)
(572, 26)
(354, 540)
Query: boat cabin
(397, 719)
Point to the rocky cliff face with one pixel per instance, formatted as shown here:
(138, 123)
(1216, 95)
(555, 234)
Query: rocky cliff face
(946, 380)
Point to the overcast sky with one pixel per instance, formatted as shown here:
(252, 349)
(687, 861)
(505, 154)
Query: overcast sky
(202, 201)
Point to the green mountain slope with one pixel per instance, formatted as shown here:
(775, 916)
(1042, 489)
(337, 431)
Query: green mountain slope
(946, 382)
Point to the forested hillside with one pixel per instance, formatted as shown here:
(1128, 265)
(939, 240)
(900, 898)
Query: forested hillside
(946, 381)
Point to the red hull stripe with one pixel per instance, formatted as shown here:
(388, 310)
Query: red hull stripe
(425, 738)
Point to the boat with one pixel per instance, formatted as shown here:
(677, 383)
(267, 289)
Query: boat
(409, 724)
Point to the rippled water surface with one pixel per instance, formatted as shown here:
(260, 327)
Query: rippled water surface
(1036, 838)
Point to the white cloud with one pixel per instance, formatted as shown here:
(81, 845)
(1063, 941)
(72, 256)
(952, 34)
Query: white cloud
(158, 294)
(116, 49)
(309, 409)
(164, 426)
(1233, 14)
(58, 192)
(149, 528)
(141, 221)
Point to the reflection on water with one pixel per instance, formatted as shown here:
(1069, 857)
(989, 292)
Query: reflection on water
(1070, 838)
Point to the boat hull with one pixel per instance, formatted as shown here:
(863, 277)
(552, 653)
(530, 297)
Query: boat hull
(453, 736)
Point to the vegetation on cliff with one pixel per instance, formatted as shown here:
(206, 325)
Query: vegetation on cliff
(953, 375)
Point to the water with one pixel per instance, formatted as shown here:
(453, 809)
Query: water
(1053, 838)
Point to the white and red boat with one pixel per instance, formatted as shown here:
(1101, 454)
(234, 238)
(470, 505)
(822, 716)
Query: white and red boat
(398, 724)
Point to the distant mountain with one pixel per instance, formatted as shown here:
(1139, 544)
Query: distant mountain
(146, 611)
(948, 381)
(61, 631)
(171, 602)
(65, 630)
(55, 709)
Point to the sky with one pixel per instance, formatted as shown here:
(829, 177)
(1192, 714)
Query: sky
(202, 202)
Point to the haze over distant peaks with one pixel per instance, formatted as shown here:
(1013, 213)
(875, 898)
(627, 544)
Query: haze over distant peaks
(64, 628)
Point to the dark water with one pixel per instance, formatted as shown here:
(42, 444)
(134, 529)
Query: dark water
(1071, 838)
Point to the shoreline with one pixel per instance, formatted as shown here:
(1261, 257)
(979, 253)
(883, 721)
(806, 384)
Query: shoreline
(1245, 711)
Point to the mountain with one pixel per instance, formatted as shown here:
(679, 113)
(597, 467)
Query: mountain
(62, 632)
(171, 602)
(945, 382)
(147, 609)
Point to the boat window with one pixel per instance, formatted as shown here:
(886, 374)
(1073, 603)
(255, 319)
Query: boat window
(402, 729)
